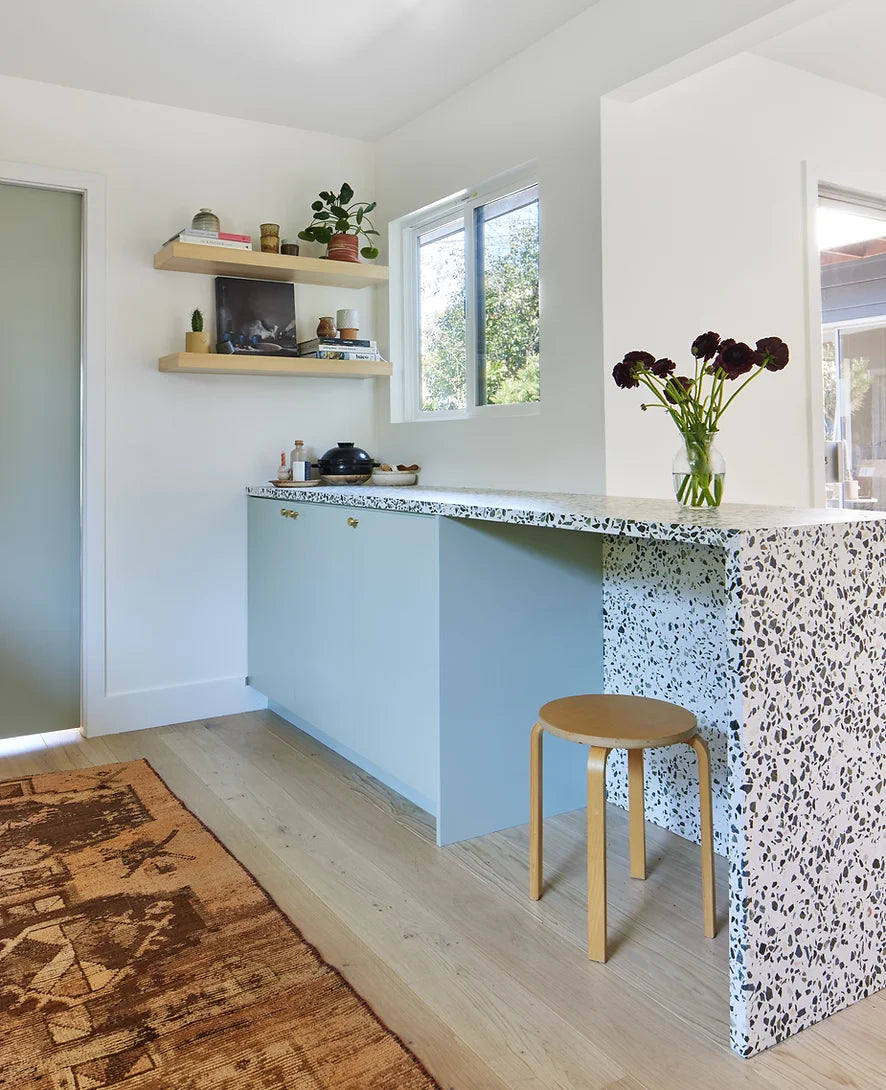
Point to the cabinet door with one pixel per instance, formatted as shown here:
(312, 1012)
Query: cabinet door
(270, 599)
(396, 634)
(323, 578)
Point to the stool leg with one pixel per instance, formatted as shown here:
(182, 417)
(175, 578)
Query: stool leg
(637, 813)
(536, 795)
(597, 853)
(707, 835)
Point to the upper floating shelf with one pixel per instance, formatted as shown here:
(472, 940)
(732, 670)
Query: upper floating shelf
(223, 261)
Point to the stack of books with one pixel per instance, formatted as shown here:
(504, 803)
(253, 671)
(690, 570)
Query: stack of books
(211, 238)
(337, 348)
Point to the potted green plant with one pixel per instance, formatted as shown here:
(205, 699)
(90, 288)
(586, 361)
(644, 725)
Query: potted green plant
(196, 340)
(338, 224)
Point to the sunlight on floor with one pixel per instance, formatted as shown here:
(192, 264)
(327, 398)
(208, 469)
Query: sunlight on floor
(31, 743)
(25, 743)
(62, 737)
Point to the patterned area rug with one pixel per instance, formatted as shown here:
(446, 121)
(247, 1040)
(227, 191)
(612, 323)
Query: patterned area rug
(136, 952)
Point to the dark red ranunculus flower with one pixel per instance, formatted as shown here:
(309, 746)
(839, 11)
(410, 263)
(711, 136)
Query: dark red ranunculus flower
(734, 358)
(640, 359)
(677, 388)
(772, 353)
(663, 368)
(705, 345)
(624, 375)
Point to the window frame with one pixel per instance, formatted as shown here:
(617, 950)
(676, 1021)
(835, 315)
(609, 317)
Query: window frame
(405, 300)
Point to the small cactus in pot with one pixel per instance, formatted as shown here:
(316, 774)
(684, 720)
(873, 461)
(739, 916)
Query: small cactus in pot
(196, 340)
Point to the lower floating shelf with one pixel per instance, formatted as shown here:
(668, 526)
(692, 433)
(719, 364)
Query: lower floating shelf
(215, 363)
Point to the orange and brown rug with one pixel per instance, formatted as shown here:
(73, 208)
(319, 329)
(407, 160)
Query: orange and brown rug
(136, 952)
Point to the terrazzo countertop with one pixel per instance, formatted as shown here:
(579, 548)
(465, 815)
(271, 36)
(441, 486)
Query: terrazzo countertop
(659, 519)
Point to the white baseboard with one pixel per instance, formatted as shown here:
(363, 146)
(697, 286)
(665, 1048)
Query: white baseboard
(119, 712)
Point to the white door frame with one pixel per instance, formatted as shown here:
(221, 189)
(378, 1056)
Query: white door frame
(92, 416)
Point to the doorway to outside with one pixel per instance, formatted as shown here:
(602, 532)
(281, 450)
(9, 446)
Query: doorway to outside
(851, 231)
(40, 471)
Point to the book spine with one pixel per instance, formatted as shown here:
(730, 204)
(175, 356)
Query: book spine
(193, 240)
(336, 354)
(336, 342)
(192, 233)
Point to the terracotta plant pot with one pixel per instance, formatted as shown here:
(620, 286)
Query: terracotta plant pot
(196, 342)
(343, 248)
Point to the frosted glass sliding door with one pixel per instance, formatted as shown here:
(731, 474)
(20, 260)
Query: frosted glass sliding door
(40, 252)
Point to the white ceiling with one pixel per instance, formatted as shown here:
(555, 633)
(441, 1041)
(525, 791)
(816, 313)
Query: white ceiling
(354, 68)
(845, 44)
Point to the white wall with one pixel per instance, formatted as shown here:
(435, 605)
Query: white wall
(543, 105)
(181, 448)
(704, 207)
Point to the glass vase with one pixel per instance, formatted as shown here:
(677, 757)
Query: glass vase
(699, 471)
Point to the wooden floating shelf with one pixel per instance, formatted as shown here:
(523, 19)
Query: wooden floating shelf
(217, 363)
(223, 261)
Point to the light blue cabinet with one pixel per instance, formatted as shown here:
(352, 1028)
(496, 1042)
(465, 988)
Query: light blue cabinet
(420, 648)
(343, 633)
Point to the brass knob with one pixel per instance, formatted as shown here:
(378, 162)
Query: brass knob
(352, 522)
(293, 514)
(283, 512)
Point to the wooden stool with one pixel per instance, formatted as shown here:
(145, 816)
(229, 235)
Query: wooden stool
(633, 723)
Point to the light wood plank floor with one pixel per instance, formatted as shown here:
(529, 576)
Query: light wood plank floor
(491, 990)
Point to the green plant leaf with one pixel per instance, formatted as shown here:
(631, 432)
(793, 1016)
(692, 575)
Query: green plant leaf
(323, 234)
(307, 234)
(369, 252)
(342, 226)
(359, 215)
(337, 210)
(317, 205)
(368, 208)
(346, 193)
(322, 216)
(327, 196)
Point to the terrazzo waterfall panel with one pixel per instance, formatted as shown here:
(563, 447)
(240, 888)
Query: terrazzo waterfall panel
(813, 742)
(669, 626)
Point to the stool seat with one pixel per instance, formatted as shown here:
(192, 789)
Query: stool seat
(618, 722)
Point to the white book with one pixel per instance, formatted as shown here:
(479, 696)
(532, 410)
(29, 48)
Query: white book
(226, 243)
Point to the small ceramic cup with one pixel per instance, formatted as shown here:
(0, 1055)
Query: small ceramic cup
(348, 323)
(270, 238)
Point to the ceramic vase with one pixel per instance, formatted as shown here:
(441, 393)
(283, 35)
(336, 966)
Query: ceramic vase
(205, 220)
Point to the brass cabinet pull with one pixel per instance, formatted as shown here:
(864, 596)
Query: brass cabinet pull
(288, 514)
(352, 522)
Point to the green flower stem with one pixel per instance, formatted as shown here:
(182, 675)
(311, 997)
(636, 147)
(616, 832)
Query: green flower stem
(735, 394)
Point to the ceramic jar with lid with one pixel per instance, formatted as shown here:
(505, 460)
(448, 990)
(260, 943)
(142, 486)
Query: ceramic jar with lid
(205, 220)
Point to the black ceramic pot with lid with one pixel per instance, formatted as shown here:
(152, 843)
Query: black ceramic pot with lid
(346, 464)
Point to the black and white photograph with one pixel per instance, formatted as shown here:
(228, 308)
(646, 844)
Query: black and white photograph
(255, 317)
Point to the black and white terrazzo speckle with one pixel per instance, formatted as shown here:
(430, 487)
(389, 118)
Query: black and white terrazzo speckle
(658, 519)
(770, 625)
(810, 774)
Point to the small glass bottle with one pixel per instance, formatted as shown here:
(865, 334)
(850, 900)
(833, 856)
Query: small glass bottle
(297, 461)
(284, 473)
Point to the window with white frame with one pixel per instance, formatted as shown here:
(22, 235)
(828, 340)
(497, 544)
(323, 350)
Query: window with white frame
(469, 314)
